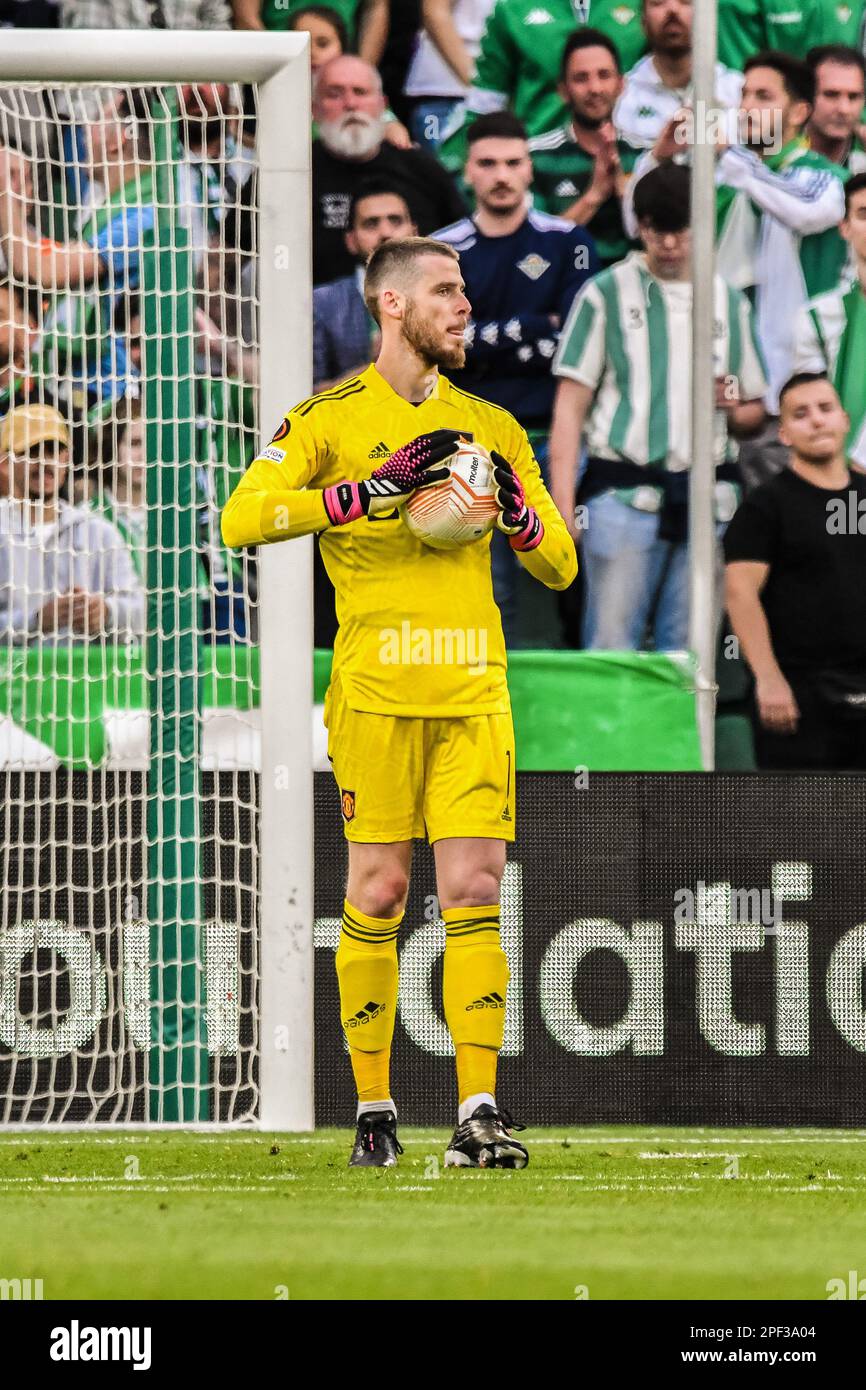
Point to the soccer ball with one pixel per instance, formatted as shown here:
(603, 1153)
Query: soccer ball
(459, 510)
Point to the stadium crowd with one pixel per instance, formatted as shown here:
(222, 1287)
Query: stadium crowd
(548, 142)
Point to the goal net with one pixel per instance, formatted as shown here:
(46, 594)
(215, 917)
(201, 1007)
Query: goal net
(130, 692)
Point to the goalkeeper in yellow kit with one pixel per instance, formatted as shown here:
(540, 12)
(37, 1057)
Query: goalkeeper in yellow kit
(418, 714)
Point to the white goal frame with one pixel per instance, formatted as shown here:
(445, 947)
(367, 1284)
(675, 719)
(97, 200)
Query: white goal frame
(278, 65)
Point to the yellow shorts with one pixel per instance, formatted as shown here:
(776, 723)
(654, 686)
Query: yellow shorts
(400, 779)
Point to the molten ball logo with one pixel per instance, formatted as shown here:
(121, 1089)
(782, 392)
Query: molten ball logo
(459, 510)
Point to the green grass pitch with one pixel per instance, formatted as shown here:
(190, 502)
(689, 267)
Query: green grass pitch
(603, 1213)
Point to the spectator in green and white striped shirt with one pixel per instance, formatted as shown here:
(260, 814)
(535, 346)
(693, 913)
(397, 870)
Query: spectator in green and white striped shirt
(830, 333)
(625, 358)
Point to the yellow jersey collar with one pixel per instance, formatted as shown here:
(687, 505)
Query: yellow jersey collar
(382, 390)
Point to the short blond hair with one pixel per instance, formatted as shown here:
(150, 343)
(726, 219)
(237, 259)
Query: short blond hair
(396, 265)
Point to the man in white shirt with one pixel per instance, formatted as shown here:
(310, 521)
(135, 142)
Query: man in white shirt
(624, 360)
(65, 573)
(661, 83)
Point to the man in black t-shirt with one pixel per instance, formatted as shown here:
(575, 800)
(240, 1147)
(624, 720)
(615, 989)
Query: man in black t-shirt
(349, 110)
(796, 591)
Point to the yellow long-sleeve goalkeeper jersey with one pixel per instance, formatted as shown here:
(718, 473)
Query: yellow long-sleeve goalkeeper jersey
(420, 633)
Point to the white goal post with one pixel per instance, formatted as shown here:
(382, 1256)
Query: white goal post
(278, 67)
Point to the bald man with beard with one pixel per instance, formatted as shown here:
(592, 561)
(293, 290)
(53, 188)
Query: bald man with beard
(349, 111)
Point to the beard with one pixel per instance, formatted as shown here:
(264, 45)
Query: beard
(677, 49)
(589, 122)
(502, 209)
(356, 135)
(418, 335)
(674, 40)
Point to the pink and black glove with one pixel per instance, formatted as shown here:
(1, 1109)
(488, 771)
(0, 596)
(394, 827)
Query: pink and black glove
(520, 522)
(406, 470)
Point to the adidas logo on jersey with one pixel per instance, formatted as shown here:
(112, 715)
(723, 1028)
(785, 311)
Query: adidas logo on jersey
(487, 1001)
(365, 1015)
(566, 189)
(539, 17)
(623, 14)
(381, 451)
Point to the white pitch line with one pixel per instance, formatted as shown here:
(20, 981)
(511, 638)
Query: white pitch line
(262, 1180)
(42, 1136)
(708, 1153)
(570, 1141)
(168, 1177)
(33, 1138)
(819, 1187)
(92, 1178)
(155, 1189)
(145, 1188)
(831, 1179)
(815, 1136)
(685, 1187)
(635, 1187)
(141, 1184)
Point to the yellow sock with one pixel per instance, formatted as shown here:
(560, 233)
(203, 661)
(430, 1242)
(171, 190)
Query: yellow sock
(476, 1070)
(474, 989)
(367, 976)
(372, 1073)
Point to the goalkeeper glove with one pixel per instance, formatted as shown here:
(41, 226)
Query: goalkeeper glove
(520, 522)
(406, 470)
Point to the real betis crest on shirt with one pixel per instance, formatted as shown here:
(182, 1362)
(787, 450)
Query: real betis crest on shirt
(796, 28)
(620, 14)
(533, 266)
